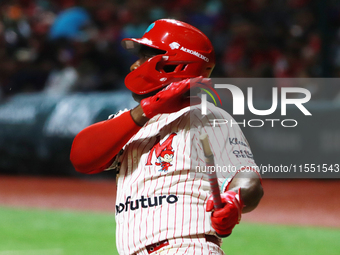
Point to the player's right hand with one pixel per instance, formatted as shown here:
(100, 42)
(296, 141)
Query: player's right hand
(173, 98)
(224, 220)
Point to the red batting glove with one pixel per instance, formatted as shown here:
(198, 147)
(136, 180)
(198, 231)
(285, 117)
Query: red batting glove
(172, 98)
(224, 220)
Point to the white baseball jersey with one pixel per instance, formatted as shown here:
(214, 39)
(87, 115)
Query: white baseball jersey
(160, 192)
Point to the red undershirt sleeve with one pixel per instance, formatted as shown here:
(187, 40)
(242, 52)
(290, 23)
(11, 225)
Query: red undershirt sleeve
(95, 147)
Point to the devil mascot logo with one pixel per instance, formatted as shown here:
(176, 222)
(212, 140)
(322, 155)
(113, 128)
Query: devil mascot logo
(164, 153)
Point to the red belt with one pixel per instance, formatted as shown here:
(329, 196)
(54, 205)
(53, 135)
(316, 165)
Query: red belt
(155, 247)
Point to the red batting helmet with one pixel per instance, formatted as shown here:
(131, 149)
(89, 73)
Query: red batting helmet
(188, 54)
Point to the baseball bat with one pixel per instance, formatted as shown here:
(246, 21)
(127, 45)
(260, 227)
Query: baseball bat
(209, 160)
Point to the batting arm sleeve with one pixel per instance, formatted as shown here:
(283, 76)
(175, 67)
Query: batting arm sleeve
(95, 147)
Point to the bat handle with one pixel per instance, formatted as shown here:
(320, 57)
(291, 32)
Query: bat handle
(209, 160)
(215, 190)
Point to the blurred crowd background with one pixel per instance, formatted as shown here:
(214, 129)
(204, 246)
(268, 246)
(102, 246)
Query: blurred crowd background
(62, 46)
(62, 68)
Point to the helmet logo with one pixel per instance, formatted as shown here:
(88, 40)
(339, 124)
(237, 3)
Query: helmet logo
(174, 45)
(195, 53)
(149, 28)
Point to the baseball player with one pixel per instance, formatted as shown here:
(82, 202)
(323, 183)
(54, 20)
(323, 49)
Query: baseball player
(164, 203)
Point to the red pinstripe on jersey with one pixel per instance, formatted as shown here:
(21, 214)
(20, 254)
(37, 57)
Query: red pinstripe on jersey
(178, 195)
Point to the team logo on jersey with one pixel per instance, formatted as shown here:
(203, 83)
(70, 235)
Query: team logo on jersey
(164, 153)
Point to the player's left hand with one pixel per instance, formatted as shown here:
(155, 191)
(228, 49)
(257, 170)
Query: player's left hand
(224, 220)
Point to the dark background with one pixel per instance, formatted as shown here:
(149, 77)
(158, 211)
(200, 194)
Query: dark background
(62, 68)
